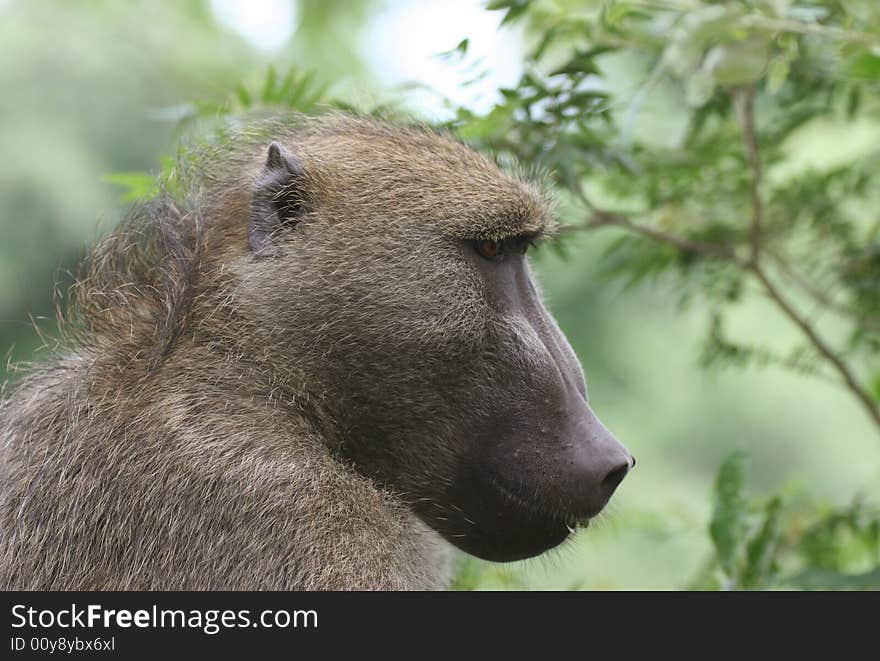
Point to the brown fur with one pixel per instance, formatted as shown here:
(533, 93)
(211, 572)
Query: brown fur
(187, 437)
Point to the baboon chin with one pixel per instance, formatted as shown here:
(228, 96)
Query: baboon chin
(307, 372)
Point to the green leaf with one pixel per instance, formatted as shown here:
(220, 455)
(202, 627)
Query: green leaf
(614, 13)
(583, 62)
(875, 387)
(269, 85)
(777, 72)
(761, 550)
(863, 10)
(283, 90)
(865, 67)
(853, 101)
(729, 523)
(459, 51)
(700, 88)
(515, 9)
(775, 7)
(244, 96)
(301, 97)
(139, 186)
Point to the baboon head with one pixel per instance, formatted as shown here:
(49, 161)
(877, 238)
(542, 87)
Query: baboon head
(391, 265)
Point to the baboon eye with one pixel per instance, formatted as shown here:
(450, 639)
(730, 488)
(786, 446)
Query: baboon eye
(495, 250)
(490, 249)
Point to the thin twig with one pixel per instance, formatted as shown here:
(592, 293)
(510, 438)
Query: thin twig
(822, 298)
(753, 155)
(827, 352)
(607, 218)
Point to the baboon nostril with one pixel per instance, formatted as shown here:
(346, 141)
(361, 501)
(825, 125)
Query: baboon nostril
(614, 478)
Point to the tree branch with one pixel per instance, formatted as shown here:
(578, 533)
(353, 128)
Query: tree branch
(753, 155)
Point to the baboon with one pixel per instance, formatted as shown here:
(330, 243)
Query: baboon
(318, 361)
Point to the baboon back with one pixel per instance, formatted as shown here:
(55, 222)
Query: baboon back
(179, 483)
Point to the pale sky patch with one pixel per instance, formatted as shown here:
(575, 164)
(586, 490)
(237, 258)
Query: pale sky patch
(267, 24)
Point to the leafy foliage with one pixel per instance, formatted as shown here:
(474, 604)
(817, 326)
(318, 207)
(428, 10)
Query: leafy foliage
(719, 205)
(294, 90)
(778, 543)
(207, 121)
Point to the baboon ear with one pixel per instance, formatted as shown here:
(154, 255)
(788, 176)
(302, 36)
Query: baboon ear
(278, 200)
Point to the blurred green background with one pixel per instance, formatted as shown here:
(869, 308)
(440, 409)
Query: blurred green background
(90, 89)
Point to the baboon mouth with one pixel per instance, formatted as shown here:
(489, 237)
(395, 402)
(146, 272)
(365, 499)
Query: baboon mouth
(571, 521)
(494, 523)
